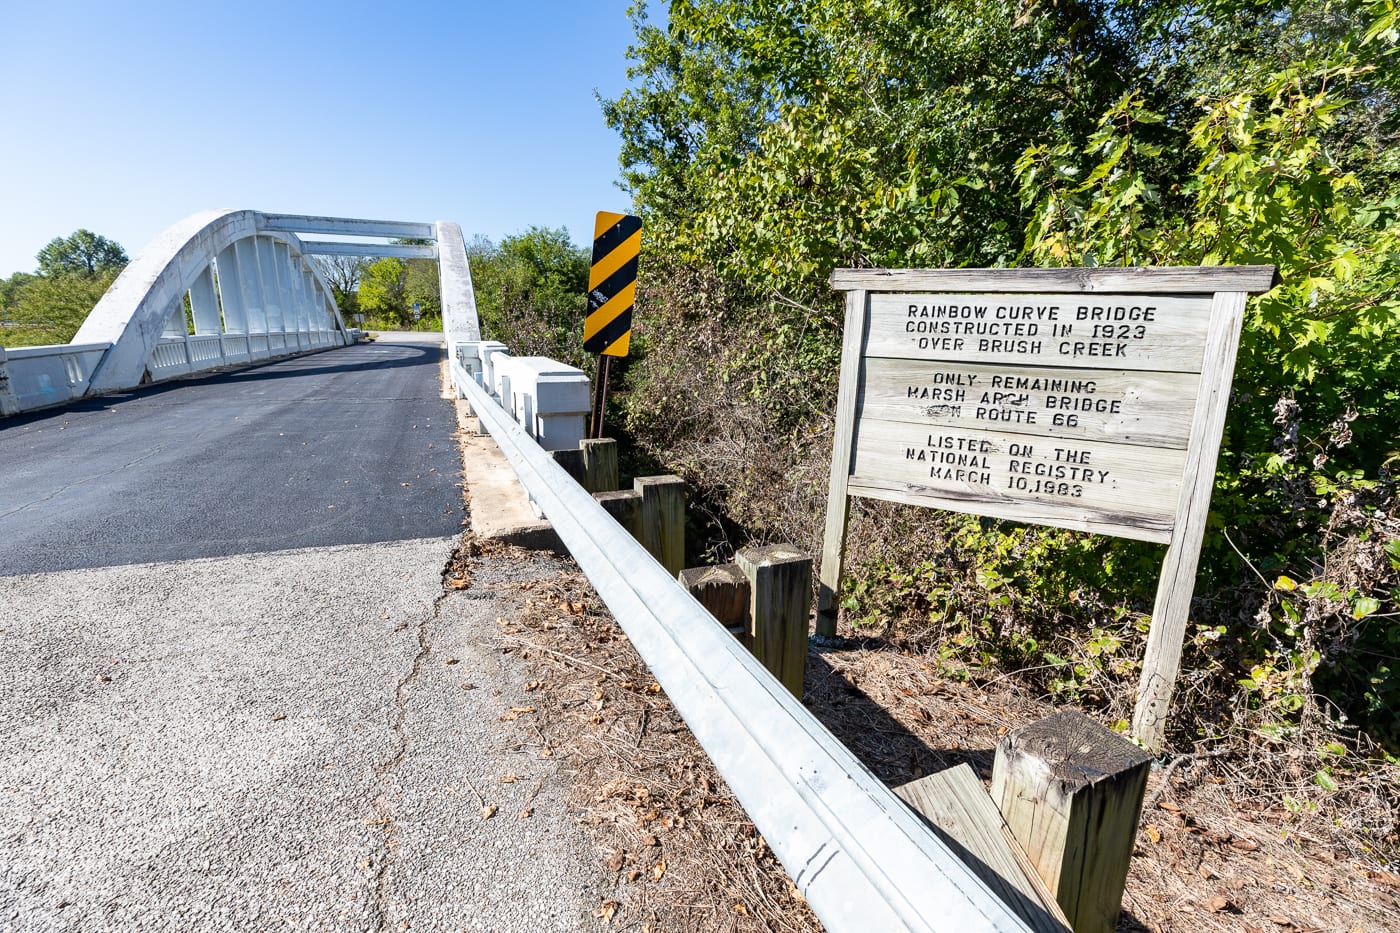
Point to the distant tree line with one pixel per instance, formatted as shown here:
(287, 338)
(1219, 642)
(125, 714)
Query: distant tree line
(50, 304)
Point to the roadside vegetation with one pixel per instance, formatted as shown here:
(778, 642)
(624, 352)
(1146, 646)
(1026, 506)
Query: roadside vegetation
(766, 144)
(50, 304)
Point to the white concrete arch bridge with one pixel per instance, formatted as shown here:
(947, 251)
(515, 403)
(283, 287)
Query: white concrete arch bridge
(224, 287)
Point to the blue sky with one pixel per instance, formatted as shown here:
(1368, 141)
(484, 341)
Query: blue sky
(125, 117)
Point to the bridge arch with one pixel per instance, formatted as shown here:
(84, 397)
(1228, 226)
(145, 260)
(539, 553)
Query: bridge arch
(249, 289)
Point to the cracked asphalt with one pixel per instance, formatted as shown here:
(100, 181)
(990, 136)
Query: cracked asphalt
(301, 738)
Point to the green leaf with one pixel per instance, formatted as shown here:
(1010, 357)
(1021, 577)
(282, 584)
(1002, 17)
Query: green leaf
(1364, 606)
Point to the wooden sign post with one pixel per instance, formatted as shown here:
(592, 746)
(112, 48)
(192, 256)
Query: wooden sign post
(1091, 399)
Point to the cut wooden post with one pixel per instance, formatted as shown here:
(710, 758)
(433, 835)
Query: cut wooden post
(663, 519)
(625, 506)
(779, 604)
(957, 808)
(572, 462)
(1071, 792)
(1172, 608)
(838, 506)
(725, 592)
(599, 464)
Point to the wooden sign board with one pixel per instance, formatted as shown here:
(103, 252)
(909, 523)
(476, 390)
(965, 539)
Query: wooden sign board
(1090, 399)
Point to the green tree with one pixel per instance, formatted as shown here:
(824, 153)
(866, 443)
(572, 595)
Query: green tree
(342, 274)
(50, 309)
(530, 292)
(382, 291)
(767, 142)
(83, 253)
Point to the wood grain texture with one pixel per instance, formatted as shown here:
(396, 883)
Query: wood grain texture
(1070, 484)
(780, 603)
(625, 508)
(957, 808)
(1152, 332)
(1172, 608)
(1071, 792)
(1142, 408)
(1142, 279)
(837, 502)
(599, 464)
(663, 519)
(725, 593)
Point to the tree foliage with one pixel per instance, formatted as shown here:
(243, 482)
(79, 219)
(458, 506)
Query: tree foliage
(342, 274)
(390, 287)
(50, 306)
(81, 253)
(531, 292)
(768, 142)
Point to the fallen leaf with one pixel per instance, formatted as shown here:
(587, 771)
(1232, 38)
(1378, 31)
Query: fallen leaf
(741, 910)
(633, 875)
(527, 813)
(606, 912)
(615, 861)
(650, 841)
(1154, 833)
(1220, 904)
(1244, 845)
(487, 812)
(449, 660)
(278, 717)
(508, 779)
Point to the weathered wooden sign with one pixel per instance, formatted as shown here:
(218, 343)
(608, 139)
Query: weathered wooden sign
(1090, 399)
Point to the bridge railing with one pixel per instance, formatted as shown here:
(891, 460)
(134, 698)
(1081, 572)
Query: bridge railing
(37, 377)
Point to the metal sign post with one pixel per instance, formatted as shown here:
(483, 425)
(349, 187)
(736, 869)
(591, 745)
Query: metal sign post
(612, 291)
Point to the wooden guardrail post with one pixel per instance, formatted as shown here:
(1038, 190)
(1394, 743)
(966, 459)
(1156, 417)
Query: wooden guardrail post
(1071, 792)
(954, 803)
(663, 519)
(599, 464)
(780, 577)
(572, 462)
(725, 592)
(625, 507)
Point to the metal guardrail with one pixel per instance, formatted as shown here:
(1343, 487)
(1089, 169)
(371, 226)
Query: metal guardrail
(859, 856)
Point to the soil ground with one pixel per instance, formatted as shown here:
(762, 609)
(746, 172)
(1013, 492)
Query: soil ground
(1230, 839)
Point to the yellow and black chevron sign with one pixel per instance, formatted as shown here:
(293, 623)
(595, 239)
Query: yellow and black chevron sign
(612, 284)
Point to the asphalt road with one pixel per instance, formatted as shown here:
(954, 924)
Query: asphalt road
(227, 706)
(349, 446)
